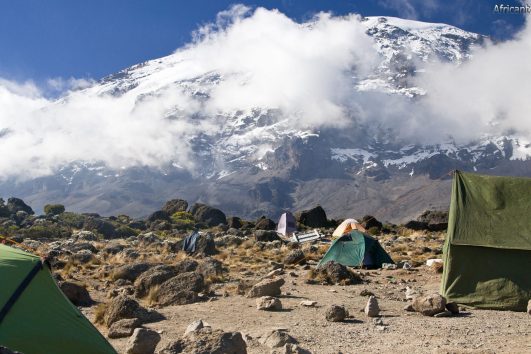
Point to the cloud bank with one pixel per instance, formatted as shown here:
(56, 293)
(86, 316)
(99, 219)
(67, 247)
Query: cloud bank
(261, 58)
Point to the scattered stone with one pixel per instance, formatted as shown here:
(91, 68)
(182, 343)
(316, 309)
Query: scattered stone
(206, 340)
(430, 304)
(266, 287)
(181, 289)
(124, 306)
(265, 224)
(411, 293)
(76, 293)
(208, 215)
(389, 266)
(334, 273)
(315, 217)
(266, 236)
(175, 205)
(295, 257)
(453, 308)
(268, 303)
(366, 292)
(336, 313)
(195, 326)
(84, 236)
(372, 309)
(308, 303)
(445, 313)
(432, 262)
(277, 339)
(409, 308)
(407, 266)
(152, 277)
(529, 307)
(143, 341)
(123, 328)
(274, 273)
(130, 271)
(291, 348)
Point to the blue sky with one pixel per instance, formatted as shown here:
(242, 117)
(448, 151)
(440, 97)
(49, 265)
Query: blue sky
(91, 39)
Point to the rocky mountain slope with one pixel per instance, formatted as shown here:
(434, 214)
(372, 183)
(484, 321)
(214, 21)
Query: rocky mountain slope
(253, 161)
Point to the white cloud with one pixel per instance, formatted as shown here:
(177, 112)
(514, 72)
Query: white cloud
(265, 59)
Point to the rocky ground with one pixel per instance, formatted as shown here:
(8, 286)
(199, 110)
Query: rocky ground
(244, 290)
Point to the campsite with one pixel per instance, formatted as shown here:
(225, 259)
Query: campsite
(222, 285)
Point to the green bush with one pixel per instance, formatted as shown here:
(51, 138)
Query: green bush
(50, 231)
(125, 231)
(54, 209)
(183, 220)
(72, 219)
(373, 231)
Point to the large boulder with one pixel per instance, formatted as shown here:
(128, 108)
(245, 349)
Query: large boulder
(130, 271)
(370, 222)
(76, 293)
(315, 217)
(175, 205)
(123, 306)
(205, 340)
(208, 215)
(143, 341)
(295, 257)
(435, 220)
(336, 313)
(234, 222)
(265, 224)
(123, 328)
(15, 205)
(277, 339)
(429, 304)
(210, 267)
(266, 236)
(268, 303)
(158, 215)
(334, 273)
(266, 287)
(152, 277)
(181, 289)
(100, 226)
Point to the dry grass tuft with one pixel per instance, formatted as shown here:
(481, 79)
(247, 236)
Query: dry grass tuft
(99, 313)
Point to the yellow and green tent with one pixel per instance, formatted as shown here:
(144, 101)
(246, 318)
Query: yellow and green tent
(35, 316)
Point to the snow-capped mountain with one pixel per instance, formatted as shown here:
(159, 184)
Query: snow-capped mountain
(253, 161)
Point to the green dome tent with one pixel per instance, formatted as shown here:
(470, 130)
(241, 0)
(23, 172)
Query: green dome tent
(35, 316)
(356, 249)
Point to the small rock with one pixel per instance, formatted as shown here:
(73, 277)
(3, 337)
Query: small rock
(409, 308)
(407, 266)
(143, 341)
(336, 313)
(389, 266)
(529, 307)
(266, 287)
(366, 292)
(295, 257)
(277, 339)
(430, 304)
(268, 303)
(195, 326)
(372, 309)
(308, 303)
(274, 273)
(453, 308)
(123, 328)
(445, 313)
(411, 293)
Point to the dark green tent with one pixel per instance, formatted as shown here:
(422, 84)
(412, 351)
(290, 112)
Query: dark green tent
(356, 249)
(487, 253)
(35, 316)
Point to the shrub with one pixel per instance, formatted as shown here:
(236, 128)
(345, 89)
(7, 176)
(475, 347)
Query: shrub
(183, 220)
(50, 231)
(125, 231)
(54, 209)
(72, 219)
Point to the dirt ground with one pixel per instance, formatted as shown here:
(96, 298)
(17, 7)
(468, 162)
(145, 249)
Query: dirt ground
(473, 331)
